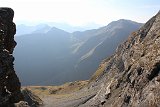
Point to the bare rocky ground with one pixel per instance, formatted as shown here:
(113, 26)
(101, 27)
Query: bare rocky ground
(68, 100)
(70, 94)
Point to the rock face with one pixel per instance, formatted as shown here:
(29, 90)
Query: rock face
(131, 77)
(9, 83)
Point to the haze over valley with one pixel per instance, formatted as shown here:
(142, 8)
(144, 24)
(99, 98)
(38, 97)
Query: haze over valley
(49, 53)
(79, 53)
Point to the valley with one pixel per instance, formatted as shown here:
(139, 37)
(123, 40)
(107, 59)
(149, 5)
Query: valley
(117, 65)
(132, 71)
(72, 56)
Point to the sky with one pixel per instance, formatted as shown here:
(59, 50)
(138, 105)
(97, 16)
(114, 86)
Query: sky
(82, 12)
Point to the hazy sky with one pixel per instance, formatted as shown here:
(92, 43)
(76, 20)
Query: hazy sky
(81, 12)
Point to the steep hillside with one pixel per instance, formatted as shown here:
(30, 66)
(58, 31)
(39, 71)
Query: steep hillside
(131, 75)
(101, 43)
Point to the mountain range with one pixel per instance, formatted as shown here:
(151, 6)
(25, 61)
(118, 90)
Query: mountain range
(24, 27)
(130, 77)
(51, 53)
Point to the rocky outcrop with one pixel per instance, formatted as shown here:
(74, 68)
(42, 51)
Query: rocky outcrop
(32, 99)
(131, 77)
(9, 83)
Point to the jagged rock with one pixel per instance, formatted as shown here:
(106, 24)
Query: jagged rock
(133, 72)
(21, 104)
(32, 99)
(9, 83)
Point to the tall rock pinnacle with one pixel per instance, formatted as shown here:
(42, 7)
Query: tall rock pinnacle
(9, 83)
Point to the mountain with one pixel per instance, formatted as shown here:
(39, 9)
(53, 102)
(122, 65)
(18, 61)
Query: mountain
(42, 55)
(101, 43)
(130, 77)
(24, 29)
(70, 56)
(70, 28)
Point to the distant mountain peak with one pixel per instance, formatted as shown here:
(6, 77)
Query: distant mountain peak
(118, 25)
(58, 31)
